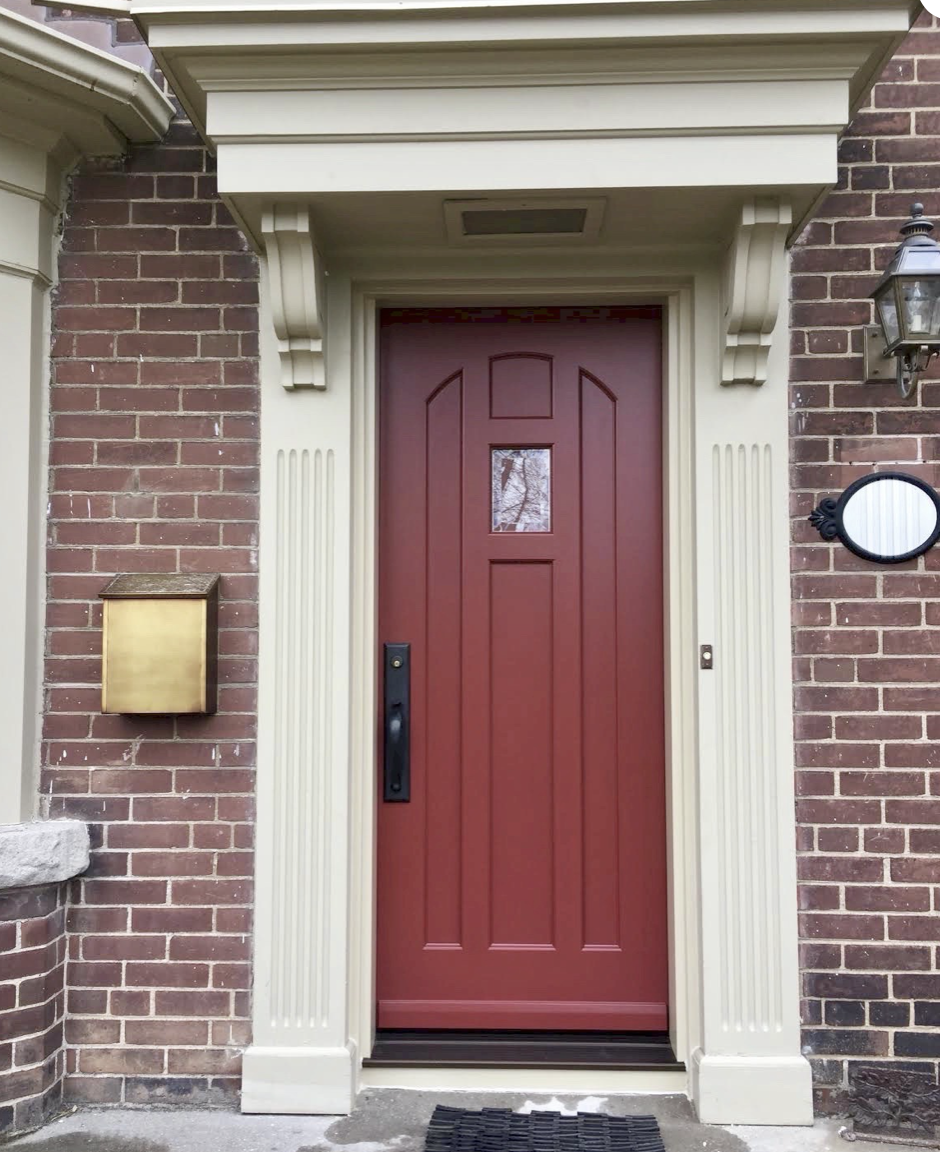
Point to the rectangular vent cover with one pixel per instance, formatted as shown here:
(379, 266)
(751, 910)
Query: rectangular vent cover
(512, 221)
(524, 221)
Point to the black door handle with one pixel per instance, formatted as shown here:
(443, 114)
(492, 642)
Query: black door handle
(397, 783)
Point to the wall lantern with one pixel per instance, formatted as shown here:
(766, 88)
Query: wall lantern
(907, 303)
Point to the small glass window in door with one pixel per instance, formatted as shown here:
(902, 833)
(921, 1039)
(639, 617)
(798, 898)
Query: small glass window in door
(522, 489)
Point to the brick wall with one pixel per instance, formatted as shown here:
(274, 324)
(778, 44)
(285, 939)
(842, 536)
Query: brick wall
(32, 1005)
(153, 468)
(867, 638)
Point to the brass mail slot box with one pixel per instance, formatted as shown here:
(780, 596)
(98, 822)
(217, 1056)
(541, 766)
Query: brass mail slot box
(160, 644)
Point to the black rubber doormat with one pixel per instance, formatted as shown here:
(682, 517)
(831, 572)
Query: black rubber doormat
(501, 1130)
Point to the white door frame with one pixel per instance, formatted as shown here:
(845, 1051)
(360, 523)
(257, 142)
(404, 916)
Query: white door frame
(734, 1017)
(368, 299)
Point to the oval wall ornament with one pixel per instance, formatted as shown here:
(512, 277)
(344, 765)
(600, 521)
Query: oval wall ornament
(887, 517)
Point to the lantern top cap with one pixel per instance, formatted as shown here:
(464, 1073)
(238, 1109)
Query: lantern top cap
(917, 225)
(918, 254)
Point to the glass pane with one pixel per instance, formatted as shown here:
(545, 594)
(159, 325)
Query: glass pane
(890, 517)
(921, 308)
(915, 261)
(522, 489)
(888, 314)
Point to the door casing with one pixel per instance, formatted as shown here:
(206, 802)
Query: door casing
(356, 303)
(600, 985)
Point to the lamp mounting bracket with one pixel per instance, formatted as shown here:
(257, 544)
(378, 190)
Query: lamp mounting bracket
(878, 365)
(753, 288)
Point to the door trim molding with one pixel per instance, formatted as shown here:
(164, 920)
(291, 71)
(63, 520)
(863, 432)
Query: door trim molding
(675, 296)
(734, 990)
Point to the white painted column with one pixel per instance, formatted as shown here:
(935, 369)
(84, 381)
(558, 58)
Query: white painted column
(748, 1068)
(300, 1060)
(28, 186)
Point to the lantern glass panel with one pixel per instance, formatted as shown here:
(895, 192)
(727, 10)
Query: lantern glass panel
(920, 303)
(916, 261)
(888, 314)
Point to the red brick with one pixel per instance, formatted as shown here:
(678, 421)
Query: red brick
(202, 1003)
(176, 864)
(207, 1062)
(858, 870)
(841, 927)
(123, 1060)
(126, 1003)
(163, 1032)
(123, 947)
(99, 974)
(211, 891)
(882, 784)
(171, 919)
(917, 870)
(213, 948)
(161, 836)
(167, 975)
(888, 898)
(80, 1032)
(124, 891)
(914, 927)
(887, 957)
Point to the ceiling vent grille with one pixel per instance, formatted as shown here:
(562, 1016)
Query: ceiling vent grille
(523, 221)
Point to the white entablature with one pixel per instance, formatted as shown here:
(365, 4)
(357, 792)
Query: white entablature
(369, 115)
(317, 99)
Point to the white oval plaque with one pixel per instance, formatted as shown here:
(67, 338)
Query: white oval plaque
(887, 517)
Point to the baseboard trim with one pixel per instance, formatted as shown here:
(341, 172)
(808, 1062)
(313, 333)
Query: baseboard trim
(298, 1081)
(752, 1089)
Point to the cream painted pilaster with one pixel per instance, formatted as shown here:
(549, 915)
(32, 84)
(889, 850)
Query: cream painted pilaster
(301, 1060)
(25, 274)
(748, 1069)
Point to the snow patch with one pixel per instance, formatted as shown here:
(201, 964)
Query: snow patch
(585, 1104)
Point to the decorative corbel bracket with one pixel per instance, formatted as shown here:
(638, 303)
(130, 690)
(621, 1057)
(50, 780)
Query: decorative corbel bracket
(754, 280)
(296, 274)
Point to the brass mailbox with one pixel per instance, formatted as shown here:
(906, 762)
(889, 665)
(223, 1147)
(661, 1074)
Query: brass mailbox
(160, 644)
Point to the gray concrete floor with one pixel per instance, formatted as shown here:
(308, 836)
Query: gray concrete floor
(394, 1120)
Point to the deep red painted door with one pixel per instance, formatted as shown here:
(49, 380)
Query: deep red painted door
(524, 884)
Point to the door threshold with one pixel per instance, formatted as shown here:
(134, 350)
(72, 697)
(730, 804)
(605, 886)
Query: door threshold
(557, 1081)
(424, 1048)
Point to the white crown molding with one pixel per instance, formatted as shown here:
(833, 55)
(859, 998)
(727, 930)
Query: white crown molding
(297, 298)
(392, 8)
(753, 289)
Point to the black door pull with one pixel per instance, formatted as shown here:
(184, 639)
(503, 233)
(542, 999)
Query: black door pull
(397, 784)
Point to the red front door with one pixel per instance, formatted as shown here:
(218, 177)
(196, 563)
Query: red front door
(523, 885)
